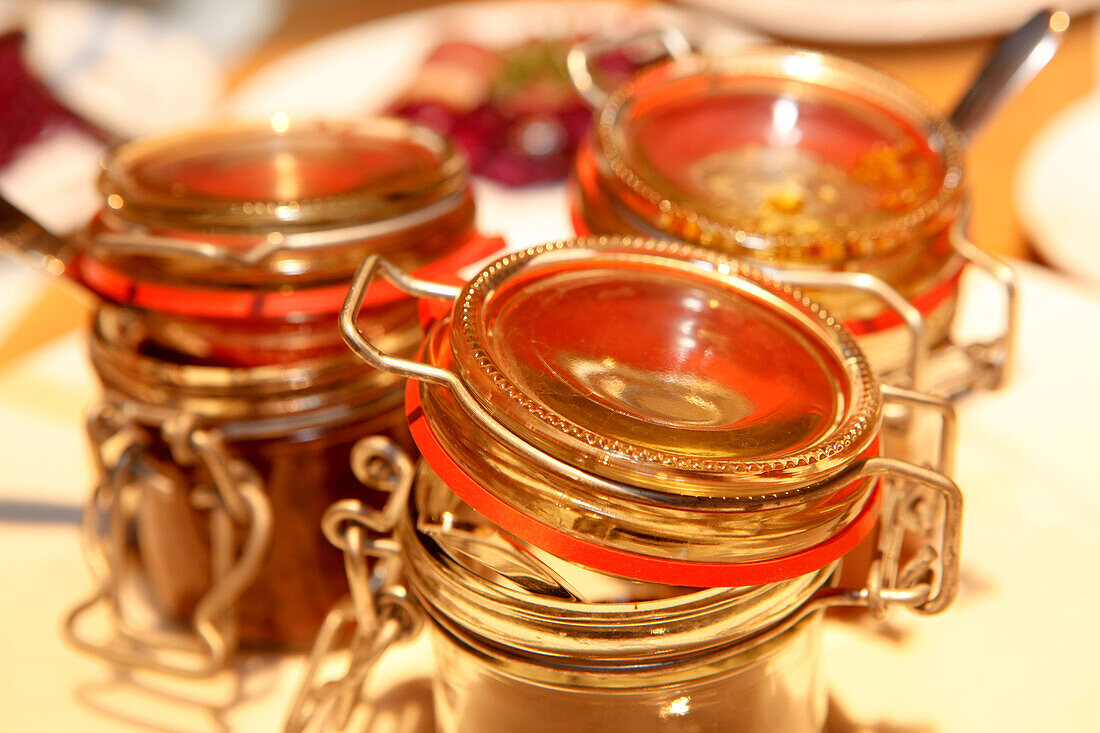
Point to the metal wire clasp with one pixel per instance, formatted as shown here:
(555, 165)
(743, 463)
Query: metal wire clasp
(920, 500)
(578, 62)
(235, 499)
(378, 611)
(987, 364)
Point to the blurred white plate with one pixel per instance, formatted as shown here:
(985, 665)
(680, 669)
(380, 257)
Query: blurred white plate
(129, 69)
(884, 21)
(365, 67)
(1056, 188)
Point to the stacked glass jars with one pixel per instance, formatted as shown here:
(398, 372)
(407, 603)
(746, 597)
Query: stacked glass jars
(232, 414)
(641, 465)
(825, 173)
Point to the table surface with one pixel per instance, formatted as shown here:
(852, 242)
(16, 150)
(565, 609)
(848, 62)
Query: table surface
(1016, 653)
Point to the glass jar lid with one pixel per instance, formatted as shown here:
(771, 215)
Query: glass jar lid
(269, 221)
(281, 176)
(649, 409)
(662, 366)
(776, 153)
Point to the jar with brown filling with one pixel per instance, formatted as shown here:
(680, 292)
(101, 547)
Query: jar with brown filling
(232, 414)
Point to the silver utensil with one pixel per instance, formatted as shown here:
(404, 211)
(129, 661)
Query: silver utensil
(1014, 63)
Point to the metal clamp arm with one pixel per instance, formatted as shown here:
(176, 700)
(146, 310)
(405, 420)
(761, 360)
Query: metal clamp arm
(578, 62)
(135, 241)
(993, 359)
(867, 283)
(938, 559)
(370, 268)
(945, 455)
(371, 354)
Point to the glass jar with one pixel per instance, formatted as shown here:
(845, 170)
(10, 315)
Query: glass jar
(517, 637)
(826, 174)
(641, 465)
(279, 441)
(236, 243)
(232, 414)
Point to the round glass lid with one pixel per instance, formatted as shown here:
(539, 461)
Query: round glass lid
(281, 175)
(634, 359)
(792, 147)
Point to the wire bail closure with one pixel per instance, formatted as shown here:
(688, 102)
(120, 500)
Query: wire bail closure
(578, 62)
(236, 499)
(378, 611)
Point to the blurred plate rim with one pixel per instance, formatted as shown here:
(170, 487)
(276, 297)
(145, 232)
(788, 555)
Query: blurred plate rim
(884, 21)
(1056, 181)
(331, 75)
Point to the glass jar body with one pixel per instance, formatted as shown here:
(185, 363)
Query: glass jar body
(292, 427)
(775, 687)
(527, 641)
(301, 575)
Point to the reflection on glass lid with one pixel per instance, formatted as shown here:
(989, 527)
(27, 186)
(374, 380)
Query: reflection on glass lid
(281, 175)
(789, 147)
(634, 354)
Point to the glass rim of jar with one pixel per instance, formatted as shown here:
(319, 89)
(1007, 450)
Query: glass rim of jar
(783, 64)
(664, 537)
(575, 674)
(128, 199)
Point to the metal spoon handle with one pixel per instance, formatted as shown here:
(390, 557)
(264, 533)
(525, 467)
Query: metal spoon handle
(1015, 62)
(25, 239)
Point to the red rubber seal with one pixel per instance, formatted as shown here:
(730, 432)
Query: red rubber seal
(580, 226)
(925, 303)
(620, 562)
